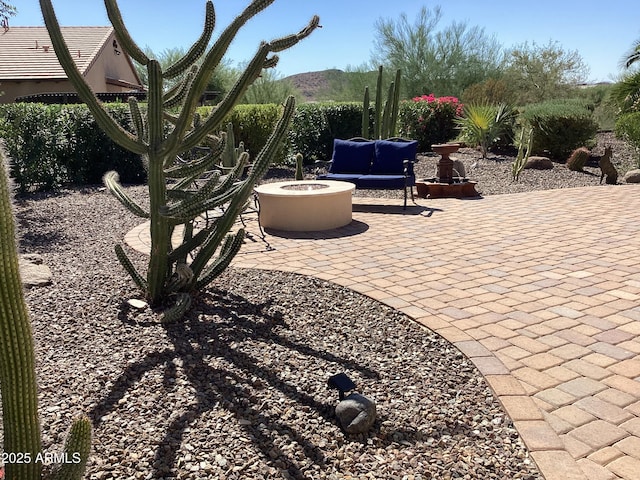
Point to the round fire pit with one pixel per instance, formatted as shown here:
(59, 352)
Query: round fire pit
(305, 205)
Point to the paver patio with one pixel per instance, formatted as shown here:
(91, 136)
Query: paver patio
(540, 290)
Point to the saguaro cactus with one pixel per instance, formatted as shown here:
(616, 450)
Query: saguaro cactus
(22, 443)
(169, 275)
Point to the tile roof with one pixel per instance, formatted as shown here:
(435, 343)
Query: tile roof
(24, 55)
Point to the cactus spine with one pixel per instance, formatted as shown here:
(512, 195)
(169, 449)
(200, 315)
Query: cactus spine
(17, 371)
(179, 203)
(385, 119)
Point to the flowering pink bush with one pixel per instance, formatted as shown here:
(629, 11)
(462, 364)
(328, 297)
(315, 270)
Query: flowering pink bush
(429, 119)
(437, 101)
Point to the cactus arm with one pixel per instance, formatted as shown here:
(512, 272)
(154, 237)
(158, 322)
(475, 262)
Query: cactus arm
(131, 270)
(179, 92)
(188, 246)
(365, 113)
(136, 118)
(129, 46)
(198, 48)
(211, 61)
(17, 362)
(289, 41)
(229, 250)
(378, 112)
(393, 124)
(385, 131)
(176, 312)
(106, 122)
(251, 73)
(78, 444)
(217, 115)
(263, 159)
(110, 180)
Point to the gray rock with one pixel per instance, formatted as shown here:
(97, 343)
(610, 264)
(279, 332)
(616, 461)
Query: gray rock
(356, 413)
(458, 167)
(33, 271)
(632, 176)
(539, 163)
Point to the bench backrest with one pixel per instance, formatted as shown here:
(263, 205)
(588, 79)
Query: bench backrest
(379, 157)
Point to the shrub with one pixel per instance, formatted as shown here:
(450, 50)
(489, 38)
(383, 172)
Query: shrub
(429, 119)
(628, 128)
(485, 124)
(253, 124)
(54, 145)
(559, 127)
(316, 125)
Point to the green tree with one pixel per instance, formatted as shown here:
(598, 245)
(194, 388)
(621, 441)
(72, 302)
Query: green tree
(539, 73)
(221, 81)
(6, 10)
(440, 61)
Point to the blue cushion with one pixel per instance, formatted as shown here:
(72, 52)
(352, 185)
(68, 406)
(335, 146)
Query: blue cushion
(389, 156)
(351, 157)
(384, 182)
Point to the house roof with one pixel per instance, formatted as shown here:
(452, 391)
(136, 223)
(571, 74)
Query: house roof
(26, 53)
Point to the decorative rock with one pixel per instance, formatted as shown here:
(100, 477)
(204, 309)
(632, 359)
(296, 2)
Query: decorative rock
(458, 167)
(33, 271)
(356, 413)
(539, 163)
(632, 176)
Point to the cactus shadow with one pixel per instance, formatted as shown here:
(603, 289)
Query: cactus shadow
(218, 323)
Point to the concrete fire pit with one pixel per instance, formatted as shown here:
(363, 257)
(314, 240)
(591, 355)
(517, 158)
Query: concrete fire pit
(305, 205)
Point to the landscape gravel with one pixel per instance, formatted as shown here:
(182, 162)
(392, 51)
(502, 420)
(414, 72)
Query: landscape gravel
(238, 390)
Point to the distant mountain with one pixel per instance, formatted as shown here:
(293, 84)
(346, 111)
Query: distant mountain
(313, 84)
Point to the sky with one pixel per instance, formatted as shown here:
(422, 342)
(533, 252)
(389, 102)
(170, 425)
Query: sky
(602, 32)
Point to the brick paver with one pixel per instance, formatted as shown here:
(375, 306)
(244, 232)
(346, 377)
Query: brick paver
(540, 290)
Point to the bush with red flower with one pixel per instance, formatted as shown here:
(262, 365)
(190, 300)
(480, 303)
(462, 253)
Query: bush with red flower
(429, 119)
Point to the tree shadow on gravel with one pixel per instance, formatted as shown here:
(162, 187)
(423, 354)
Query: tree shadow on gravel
(38, 234)
(216, 327)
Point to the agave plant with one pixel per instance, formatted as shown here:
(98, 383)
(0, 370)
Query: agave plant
(163, 137)
(483, 124)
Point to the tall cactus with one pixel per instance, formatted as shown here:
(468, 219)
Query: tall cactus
(17, 370)
(168, 274)
(385, 119)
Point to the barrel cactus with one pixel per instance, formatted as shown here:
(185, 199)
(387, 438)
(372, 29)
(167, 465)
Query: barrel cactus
(169, 130)
(22, 443)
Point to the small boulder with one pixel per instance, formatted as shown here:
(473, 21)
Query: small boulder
(33, 271)
(458, 167)
(539, 163)
(356, 413)
(632, 176)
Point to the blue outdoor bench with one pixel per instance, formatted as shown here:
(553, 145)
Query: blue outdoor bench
(374, 164)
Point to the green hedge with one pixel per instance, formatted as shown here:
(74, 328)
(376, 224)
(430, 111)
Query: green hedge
(55, 145)
(315, 125)
(628, 128)
(559, 127)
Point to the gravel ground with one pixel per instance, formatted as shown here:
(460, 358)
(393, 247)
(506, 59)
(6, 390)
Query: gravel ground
(238, 390)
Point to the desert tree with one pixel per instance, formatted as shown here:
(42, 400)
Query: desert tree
(537, 73)
(443, 61)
